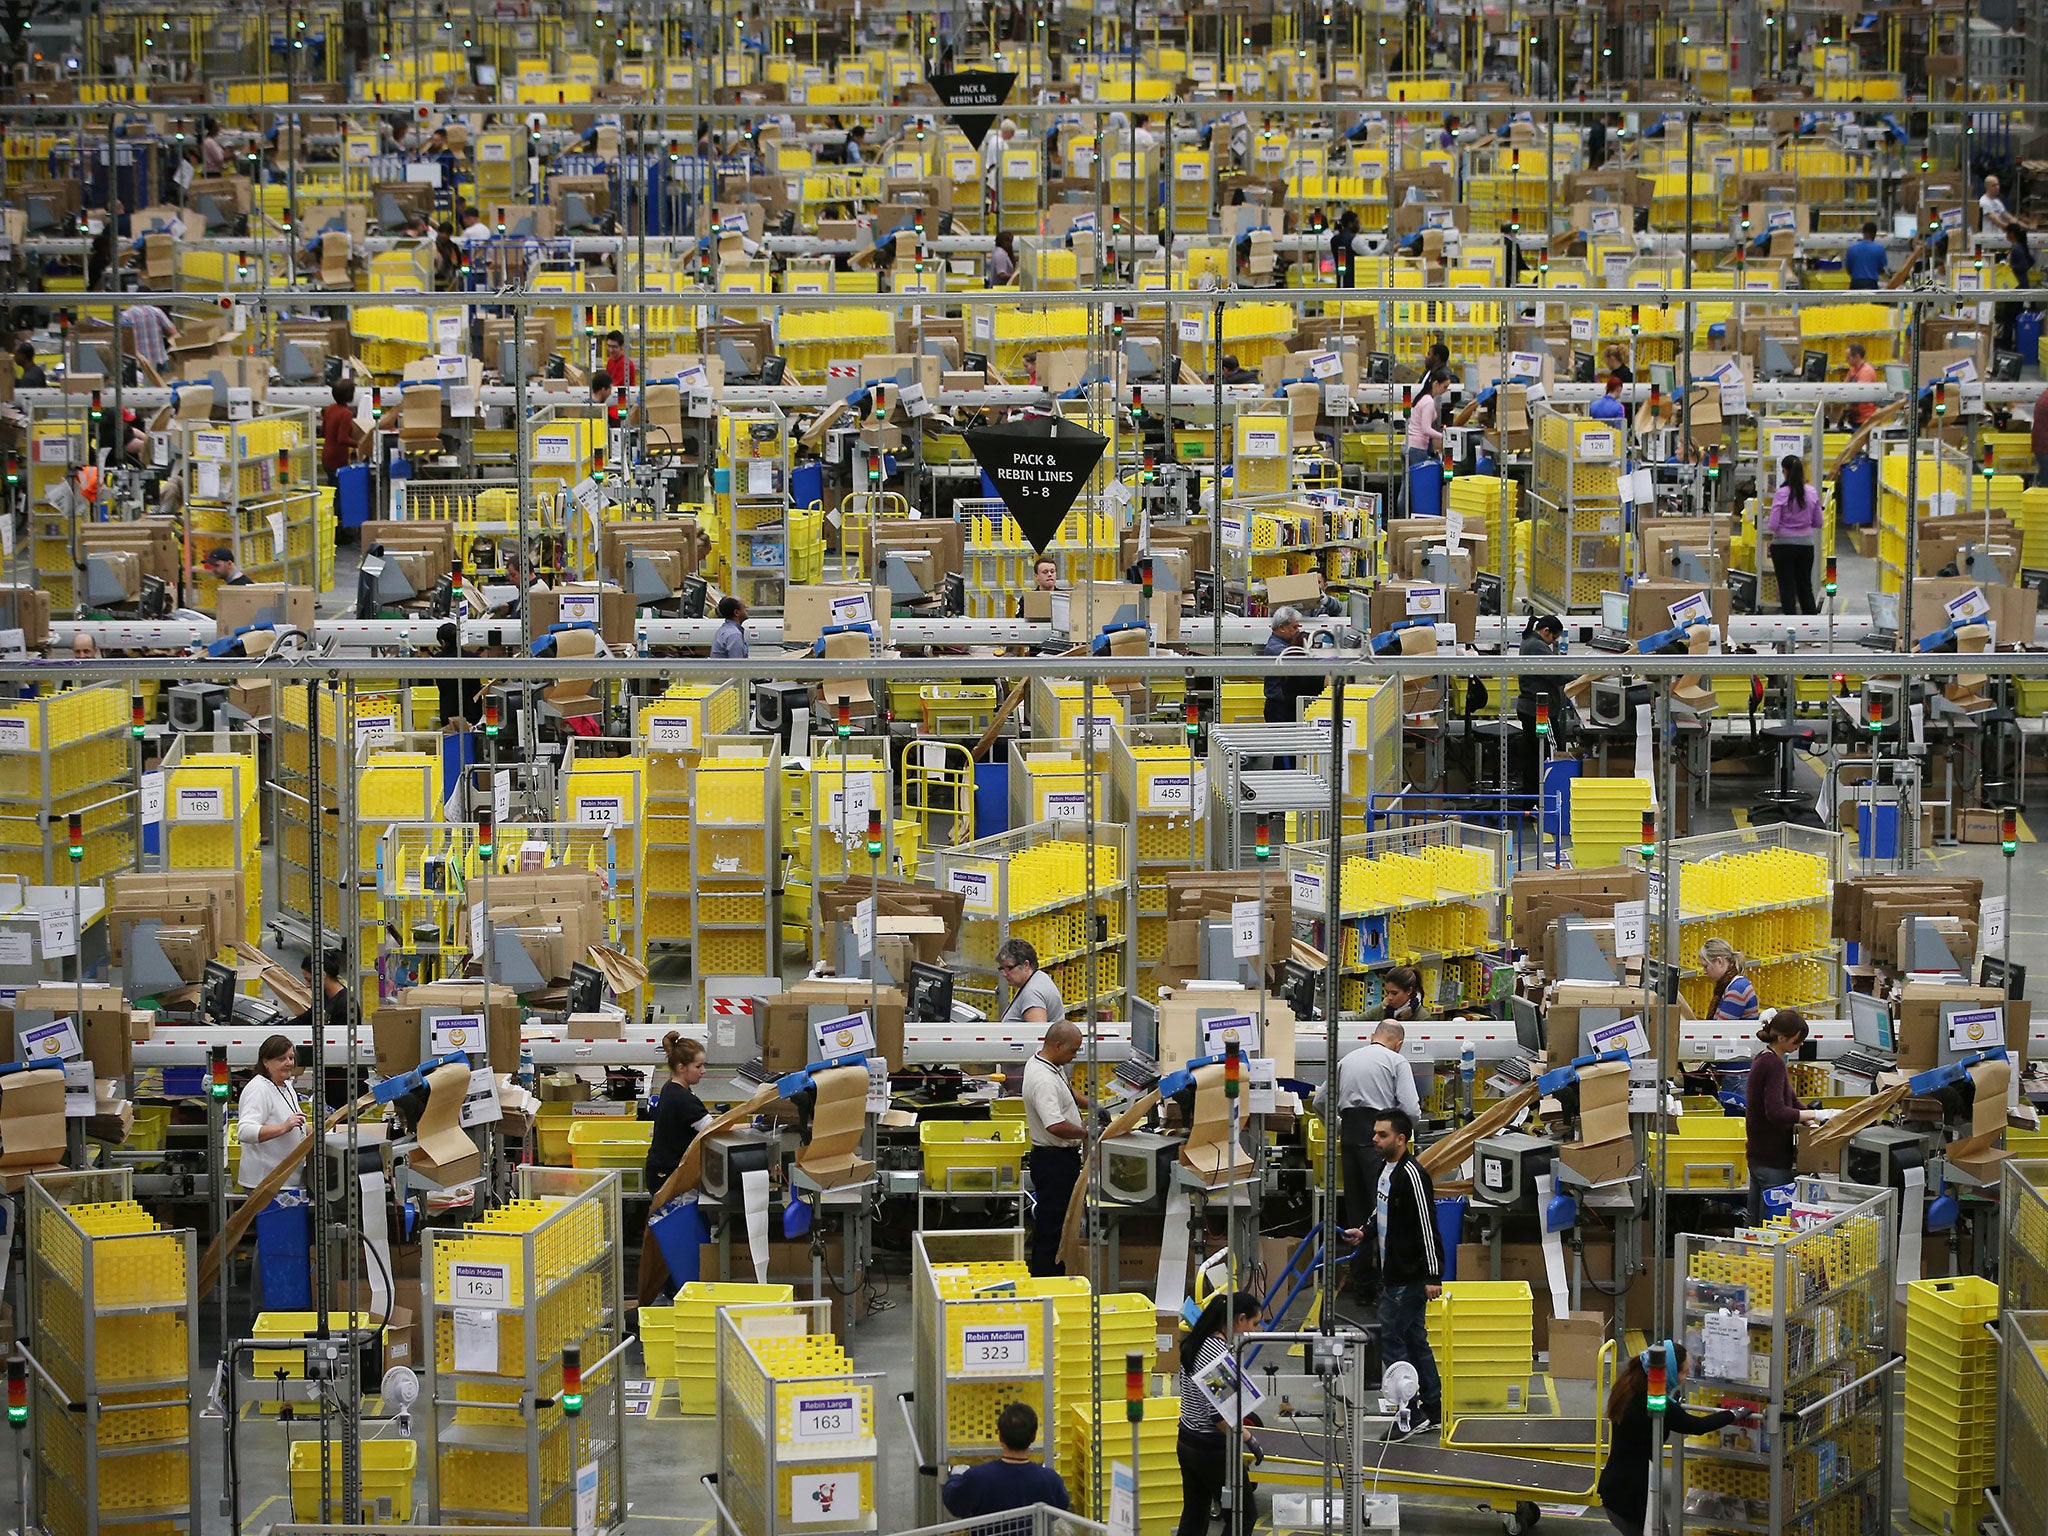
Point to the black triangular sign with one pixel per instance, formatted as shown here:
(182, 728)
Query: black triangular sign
(963, 92)
(1038, 467)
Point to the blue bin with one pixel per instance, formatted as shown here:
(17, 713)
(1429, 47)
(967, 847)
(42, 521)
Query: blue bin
(1450, 1231)
(2026, 334)
(1426, 489)
(807, 485)
(1877, 837)
(284, 1251)
(991, 799)
(1558, 774)
(1856, 500)
(679, 1228)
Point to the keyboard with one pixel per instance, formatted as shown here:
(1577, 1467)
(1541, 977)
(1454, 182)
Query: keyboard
(1879, 640)
(1610, 641)
(1859, 1061)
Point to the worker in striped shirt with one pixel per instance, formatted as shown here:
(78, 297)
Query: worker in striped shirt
(152, 333)
(1734, 993)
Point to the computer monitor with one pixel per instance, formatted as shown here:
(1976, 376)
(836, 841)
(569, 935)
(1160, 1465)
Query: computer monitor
(931, 993)
(1744, 591)
(1614, 612)
(1528, 1023)
(1664, 377)
(1884, 610)
(217, 993)
(1582, 367)
(690, 604)
(773, 370)
(1144, 1028)
(1897, 378)
(1298, 986)
(1813, 367)
(1489, 589)
(586, 989)
(2005, 367)
(1871, 1020)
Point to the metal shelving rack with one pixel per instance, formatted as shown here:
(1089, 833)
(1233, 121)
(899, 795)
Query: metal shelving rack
(1769, 891)
(756, 520)
(1432, 896)
(296, 810)
(955, 1409)
(824, 796)
(58, 437)
(115, 1324)
(254, 486)
(735, 864)
(780, 1459)
(1245, 782)
(1158, 784)
(1817, 1302)
(671, 732)
(504, 1451)
(1579, 542)
(64, 752)
(1009, 895)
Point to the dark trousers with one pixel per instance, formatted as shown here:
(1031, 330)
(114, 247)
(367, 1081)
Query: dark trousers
(1623, 1524)
(1054, 1173)
(1361, 1194)
(1530, 751)
(1794, 565)
(1761, 1179)
(1204, 1472)
(1404, 1335)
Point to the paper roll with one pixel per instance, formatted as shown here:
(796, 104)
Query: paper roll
(1171, 1287)
(1553, 1252)
(1912, 1217)
(377, 1234)
(754, 1197)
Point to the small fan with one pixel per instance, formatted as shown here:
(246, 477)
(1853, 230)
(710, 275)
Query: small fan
(1398, 1386)
(400, 1389)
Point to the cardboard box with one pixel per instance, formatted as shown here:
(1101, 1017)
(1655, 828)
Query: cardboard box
(614, 609)
(1920, 1037)
(1568, 1000)
(1977, 826)
(783, 1021)
(264, 602)
(1537, 899)
(1180, 1028)
(1575, 1342)
(807, 610)
(103, 1027)
(1604, 1149)
(1650, 604)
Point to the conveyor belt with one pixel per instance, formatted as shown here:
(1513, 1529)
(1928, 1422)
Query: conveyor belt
(1539, 1436)
(1422, 1466)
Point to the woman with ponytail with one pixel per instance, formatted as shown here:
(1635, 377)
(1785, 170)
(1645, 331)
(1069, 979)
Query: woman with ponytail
(1793, 528)
(678, 1116)
(1204, 1444)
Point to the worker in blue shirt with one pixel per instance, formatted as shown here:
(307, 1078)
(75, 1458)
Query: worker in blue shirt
(1609, 407)
(1865, 261)
(1013, 1480)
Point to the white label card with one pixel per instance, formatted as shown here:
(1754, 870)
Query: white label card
(976, 887)
(600, 811)
(480, 1285)
(851, 1034)
(833, 1417)
(1631, 918)
(1991, 914)
(54, 1041)
(1247, 930)
(1066, 805)
(994, 1351)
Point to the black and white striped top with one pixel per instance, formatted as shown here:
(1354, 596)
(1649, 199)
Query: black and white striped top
(1197, 1413)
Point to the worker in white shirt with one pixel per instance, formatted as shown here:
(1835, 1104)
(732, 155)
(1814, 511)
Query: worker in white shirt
(1052, 1117)
(1370, 1080)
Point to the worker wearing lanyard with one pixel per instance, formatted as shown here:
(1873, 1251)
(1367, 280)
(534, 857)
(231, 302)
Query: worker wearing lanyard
(1052, 1117)
(1035, 998)
(269, 1120)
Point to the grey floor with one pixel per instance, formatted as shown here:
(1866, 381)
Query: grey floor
(667, 1453)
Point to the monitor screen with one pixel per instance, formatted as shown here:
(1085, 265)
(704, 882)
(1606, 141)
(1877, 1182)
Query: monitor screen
(1614, 611)
(931, 993)
(586, 988)
(1884, 610)
(1528, 1023)
(217, 992)
(1896, 378)
(1871, 1020)
(1144, 1029)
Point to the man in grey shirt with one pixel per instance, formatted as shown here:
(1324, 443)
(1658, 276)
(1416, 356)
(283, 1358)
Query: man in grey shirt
(1369, 1080)
(730, 643)
(1033, 999)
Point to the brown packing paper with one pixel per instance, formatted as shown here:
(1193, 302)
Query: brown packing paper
(31, 1124)
(837, 1124)
(1210, 1152)
(446, 1154)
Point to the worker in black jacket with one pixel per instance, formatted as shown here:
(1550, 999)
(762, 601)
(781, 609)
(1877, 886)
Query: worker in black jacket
(1411, 1264)
(1625, 1480)
(1284, 694)
(1541, 638)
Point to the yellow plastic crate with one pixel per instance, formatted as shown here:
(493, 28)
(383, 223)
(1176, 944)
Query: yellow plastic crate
(972, 1154)
(609, 1142)
(387, 1474)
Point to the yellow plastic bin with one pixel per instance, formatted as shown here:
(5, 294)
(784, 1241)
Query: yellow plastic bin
(969, 1155)
(388, 1467)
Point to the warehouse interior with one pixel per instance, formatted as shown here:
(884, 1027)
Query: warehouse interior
(812, 768)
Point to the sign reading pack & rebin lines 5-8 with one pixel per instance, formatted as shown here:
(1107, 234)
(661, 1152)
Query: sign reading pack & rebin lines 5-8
(1038, 468)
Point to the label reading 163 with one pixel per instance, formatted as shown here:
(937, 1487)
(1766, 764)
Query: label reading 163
(826, 1418)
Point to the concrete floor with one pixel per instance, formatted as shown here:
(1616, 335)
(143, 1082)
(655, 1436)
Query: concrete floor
(667, 1453)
